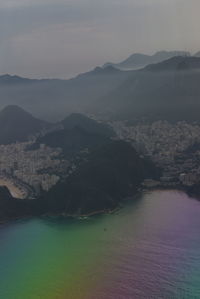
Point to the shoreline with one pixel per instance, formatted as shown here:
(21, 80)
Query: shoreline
(13, 189)
(181, 188)
(104, 211)
(16, 188)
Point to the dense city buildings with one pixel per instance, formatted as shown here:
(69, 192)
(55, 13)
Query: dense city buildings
(174, 147)
(30, 170)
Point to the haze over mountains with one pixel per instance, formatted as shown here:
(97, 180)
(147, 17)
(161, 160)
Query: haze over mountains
(176, 63)
(155, 91)
(139, 60)
(54, 99)
(168, 90)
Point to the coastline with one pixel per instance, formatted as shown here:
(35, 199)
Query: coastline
(17, 189)
(137, 195)
(13, 189)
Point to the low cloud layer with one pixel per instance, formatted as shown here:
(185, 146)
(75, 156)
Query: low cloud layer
(46, 38)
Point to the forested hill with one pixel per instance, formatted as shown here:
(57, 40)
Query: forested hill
(17, 125)
(77, 133)
(100, 184)
(111, 173)
(89, 125)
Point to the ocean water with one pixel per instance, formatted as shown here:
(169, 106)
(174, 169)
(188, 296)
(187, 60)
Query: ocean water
(148, 249)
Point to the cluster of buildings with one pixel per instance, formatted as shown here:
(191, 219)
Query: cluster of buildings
(175, 148)
(34, 170)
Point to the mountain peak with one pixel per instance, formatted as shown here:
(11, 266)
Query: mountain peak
(18, 124)
(11, 79)
(13, 108)
(86, 123)
(175, 64)
(139, 60)
(106, 70)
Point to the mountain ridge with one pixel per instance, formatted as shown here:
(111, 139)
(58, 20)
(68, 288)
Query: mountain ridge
(73, 95)
(157, 92)
(175, 64)
(139, 60)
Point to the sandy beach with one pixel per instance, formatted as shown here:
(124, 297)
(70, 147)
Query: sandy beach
(14, 190)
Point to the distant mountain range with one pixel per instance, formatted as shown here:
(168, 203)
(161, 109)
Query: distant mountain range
(54, 99)
(139, 60)
(176, 63)
(17, 125)
(168, 90)
(110, 91)
(9, 80)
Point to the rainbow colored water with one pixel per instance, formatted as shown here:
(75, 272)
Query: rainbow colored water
(149, 249)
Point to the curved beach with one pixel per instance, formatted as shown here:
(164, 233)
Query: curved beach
(15, 191)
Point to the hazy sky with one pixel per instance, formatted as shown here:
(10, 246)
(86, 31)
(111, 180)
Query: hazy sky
(60, 38)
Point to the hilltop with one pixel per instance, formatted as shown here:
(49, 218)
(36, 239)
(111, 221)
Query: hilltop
(17, 125)
(78, 132)
(110, 174)
(90, 125)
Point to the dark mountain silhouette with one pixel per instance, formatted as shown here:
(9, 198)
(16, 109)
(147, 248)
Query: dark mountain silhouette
(138, 60)
(79, 133)
(87, 124)
(17, 125)
(112, 173)
(72, 141)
